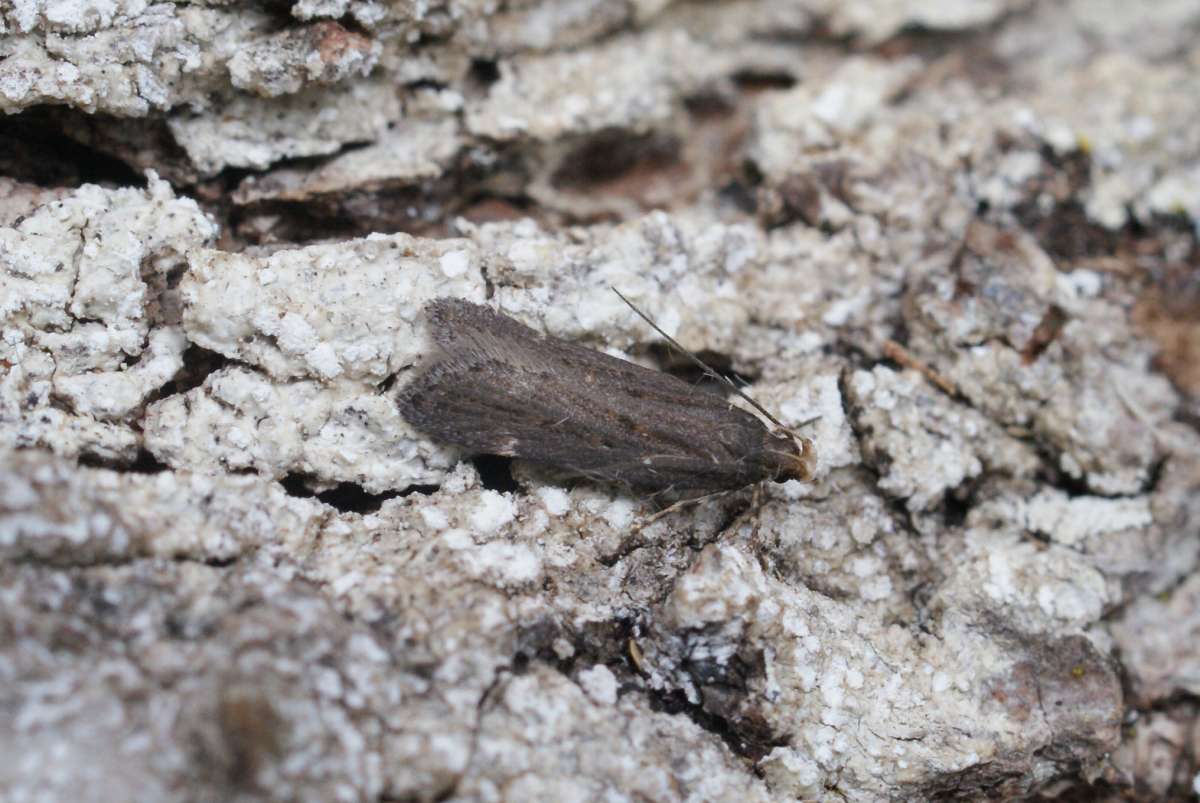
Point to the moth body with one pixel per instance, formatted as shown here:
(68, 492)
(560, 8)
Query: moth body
(498, 387)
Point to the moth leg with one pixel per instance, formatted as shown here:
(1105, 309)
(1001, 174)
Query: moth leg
(756, 506)
(682, 503)
(658, 498)
(754, 511)
(635, 540)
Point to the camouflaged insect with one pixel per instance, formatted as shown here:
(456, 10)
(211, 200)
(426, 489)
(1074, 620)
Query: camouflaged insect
(498, 387)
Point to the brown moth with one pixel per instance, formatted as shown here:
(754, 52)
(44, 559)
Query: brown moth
(498, 387)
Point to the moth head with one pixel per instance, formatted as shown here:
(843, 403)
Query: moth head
(791, 457)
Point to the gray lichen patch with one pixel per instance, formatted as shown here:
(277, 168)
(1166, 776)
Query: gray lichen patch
(812, 121)
(256, 132)
(433, 701)
(1037, 558)
(642, 258)
(1156, 637)
(326, 311)
(554, 26)
(923, 444)
(282, 63)
(537, 737)
(414, 152)
(123, 59)
(133, 59)
(643, 82)
(1143, 153)
(176, 651)
(873, 21)
(115, 395)
(849, 546)
(83, 352)
(1009, 330)
(238, 421)
(56, 513)
(1000, 574)
(469, 566)
(83, 257)
(808, 673)
(18, 199)
(823, 289)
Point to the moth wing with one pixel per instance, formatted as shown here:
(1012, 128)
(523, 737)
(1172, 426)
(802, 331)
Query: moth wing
(464, 404)
(674, 473)
(500, 387)
(464, 330)
(498, 407)
(472, 332)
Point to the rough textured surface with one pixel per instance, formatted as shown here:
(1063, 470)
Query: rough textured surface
(1156, 637)
(87, 332)
(326, 311)
(343, 432)
(414, 152)
(954, 243)
(922, 443)
(545, 97)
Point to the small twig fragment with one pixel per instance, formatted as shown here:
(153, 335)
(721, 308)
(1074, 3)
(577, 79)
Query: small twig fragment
(902, 356)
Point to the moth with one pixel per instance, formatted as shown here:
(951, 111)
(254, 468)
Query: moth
(495, 386)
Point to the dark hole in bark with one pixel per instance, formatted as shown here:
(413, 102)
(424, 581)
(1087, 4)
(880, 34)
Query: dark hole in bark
(348, 497)
(34, 150)
(740, 196)
(198, 364)
(485, 72)
(759, 80)
(495, 472)
(956, 504)
(144, 463)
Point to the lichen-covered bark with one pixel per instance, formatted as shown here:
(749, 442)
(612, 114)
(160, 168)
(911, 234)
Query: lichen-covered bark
(954, 244)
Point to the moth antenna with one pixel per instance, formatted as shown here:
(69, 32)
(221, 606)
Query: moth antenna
(708, 371)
